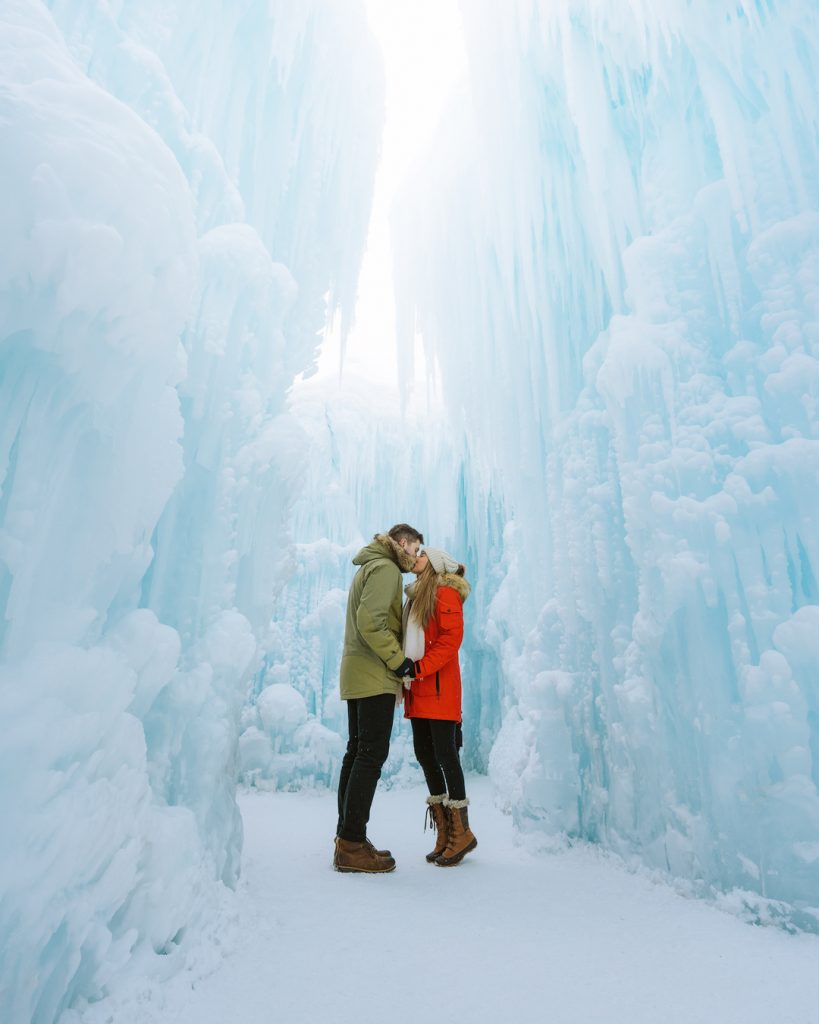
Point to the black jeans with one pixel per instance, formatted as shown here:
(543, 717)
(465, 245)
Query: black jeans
(370, 724)
(437, 752)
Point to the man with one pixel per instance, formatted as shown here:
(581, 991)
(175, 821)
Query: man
(372, 667)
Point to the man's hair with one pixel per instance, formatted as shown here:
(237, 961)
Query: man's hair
(402, 531)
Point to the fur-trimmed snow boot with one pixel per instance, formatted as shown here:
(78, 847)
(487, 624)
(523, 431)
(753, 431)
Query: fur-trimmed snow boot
(460, 839)
(362, 857)
(436, 818)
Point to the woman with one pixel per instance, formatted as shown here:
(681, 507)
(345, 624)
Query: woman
(433, 630)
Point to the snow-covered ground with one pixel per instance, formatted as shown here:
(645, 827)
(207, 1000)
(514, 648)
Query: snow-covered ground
(568, 938)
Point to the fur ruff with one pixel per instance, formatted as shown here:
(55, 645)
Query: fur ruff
(446, 579)
(457, 803)
(436, 799)
(404, 560)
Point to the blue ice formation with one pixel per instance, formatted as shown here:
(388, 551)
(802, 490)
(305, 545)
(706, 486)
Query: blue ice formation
(186, 190)
(612, 250)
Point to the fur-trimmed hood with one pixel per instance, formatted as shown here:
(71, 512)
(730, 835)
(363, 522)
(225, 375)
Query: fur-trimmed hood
(446, 579)
(383, 546)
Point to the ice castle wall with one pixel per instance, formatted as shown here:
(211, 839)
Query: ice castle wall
(613, 253)
(183, 185)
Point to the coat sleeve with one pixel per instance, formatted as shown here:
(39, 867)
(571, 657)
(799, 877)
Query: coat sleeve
(449, 615)
(371, 618)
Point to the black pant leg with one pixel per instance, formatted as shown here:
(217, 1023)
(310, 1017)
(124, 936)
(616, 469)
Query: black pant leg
(348, 759)
(425, 754)
(446, 754)
(374, 719)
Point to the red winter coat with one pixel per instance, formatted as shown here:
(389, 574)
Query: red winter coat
(436, 690)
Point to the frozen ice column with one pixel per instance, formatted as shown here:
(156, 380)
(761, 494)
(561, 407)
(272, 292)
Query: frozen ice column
(625, 307)
(95, 292)
(121, 331)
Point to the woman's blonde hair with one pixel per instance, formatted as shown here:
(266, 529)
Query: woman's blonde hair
(426, 594)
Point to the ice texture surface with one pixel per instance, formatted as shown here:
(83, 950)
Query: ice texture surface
(613, 252)
(185, 189)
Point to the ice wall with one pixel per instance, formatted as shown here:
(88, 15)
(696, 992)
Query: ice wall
(183, 187)
(613, 253)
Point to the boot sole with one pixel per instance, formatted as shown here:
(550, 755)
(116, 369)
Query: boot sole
(450, 862)
(364, 871)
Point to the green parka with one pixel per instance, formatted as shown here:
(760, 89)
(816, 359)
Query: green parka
(372, 635)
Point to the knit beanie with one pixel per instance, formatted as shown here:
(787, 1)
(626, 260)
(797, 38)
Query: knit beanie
(441, 561)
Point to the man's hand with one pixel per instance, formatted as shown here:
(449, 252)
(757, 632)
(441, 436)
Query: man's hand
(406, 668)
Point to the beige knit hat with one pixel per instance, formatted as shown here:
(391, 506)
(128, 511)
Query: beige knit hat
(441, 561)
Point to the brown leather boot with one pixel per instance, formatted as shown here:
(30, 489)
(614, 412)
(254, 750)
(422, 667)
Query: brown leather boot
(460, 839)
(436, 816)
(380, 853)
(360, 857)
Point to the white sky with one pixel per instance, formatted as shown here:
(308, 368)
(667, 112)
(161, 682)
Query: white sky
(424, 56)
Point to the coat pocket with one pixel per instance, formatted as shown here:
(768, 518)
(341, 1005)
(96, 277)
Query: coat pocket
(424, 687)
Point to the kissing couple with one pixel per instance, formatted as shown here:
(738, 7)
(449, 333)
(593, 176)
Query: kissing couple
(403, 652)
